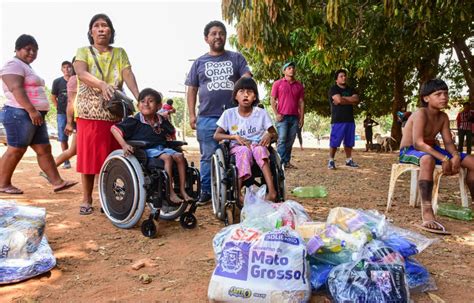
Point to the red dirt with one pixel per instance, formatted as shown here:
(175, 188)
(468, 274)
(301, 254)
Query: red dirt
(94, 258)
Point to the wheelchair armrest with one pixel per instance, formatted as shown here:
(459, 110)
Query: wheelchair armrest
(175, 144)
(137, 143)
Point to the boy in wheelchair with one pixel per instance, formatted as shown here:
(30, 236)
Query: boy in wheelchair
(150, 126)
(250, 131)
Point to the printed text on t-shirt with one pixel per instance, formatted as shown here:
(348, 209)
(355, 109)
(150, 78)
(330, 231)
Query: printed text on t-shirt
(219, 73)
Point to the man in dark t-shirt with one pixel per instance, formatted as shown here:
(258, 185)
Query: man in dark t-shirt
(342, 98)
(59, 99)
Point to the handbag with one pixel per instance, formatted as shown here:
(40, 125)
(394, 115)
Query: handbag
(93, 106)
(120, 105)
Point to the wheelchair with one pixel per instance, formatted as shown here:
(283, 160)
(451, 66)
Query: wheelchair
(224, 182)
(126, 184)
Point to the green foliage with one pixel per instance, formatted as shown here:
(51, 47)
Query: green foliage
(178, 117)
(51, 117)
(387, 46)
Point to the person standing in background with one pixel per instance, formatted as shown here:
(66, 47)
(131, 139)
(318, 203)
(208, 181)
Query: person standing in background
(287, 99)
(464, 125)
(368, 124)
(342, 99)
(59, 99)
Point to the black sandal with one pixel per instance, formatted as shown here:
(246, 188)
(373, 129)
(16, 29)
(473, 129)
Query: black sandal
(86, 210)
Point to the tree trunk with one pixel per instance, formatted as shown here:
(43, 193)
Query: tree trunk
(398, 103)
(466, 60)
(428, 66)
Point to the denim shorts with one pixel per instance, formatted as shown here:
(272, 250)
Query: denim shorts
(62, 121)
(20, 131)
(157, 151)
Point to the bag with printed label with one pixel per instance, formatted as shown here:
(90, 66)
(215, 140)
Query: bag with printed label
(258, 266)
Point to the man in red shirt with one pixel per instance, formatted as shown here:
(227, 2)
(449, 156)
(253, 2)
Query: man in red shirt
(463, 122)
(287, 99)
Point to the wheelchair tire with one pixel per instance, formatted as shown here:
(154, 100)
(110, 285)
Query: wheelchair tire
(171, 213)
(279, 178)
(188, 220)
(121, 189)
(218, 187)
(148, 228)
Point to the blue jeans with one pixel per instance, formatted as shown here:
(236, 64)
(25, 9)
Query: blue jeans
(62, 121)
(287, 129)
(206, 127)
(20, 131)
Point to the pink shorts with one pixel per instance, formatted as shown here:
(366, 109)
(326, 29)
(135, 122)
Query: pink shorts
(244, 157)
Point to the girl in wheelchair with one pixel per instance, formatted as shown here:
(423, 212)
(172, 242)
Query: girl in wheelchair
(151, 127)
(250, 131)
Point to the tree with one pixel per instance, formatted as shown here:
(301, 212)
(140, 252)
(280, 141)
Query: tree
(382, 44)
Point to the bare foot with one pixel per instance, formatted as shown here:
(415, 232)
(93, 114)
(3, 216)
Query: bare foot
(186, 197)
(175, 199)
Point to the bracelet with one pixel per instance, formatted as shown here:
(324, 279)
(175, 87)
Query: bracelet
(446, 158)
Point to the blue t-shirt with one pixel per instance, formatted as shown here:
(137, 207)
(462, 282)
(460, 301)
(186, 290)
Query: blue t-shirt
(215, 77)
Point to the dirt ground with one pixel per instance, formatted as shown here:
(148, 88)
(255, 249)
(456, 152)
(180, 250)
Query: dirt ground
(94, 258)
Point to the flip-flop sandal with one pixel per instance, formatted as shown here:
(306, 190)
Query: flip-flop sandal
(12, 190)
(441, 231)
(64, 186)
(86, 210)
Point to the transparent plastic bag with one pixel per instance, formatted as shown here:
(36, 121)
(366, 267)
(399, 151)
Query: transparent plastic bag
(259, 266)
(319, 273)
(334, 246)
(377, 276)
(418, 240)
(18, 269)
(264, 215)
(351, 220)
(21, 229)
(418, 278)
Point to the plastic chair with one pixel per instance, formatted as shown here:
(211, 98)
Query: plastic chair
(415, 197)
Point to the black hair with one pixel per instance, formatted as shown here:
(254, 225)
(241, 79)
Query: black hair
(72, 64)
(169, 101)
(25, 40)
(429, 87)
(246, 83)
(208, 26)
(66, 63)
(149, 92)
(336, 74)
(109, 23)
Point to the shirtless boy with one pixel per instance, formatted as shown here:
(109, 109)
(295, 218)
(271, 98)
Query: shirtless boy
(418, 147)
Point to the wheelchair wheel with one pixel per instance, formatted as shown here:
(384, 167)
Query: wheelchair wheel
(218, 186)
(170, 213)
(279, 178)
(121, 189)
(188, 220)
(149, 228)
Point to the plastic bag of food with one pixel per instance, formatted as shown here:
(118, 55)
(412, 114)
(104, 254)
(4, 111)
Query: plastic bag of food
(266, 216)
(319, 273)
(418, 277)
(377, 276)
(407, 242)
(351, 220)
(18, 269)
(259, 266)
(21, 229)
